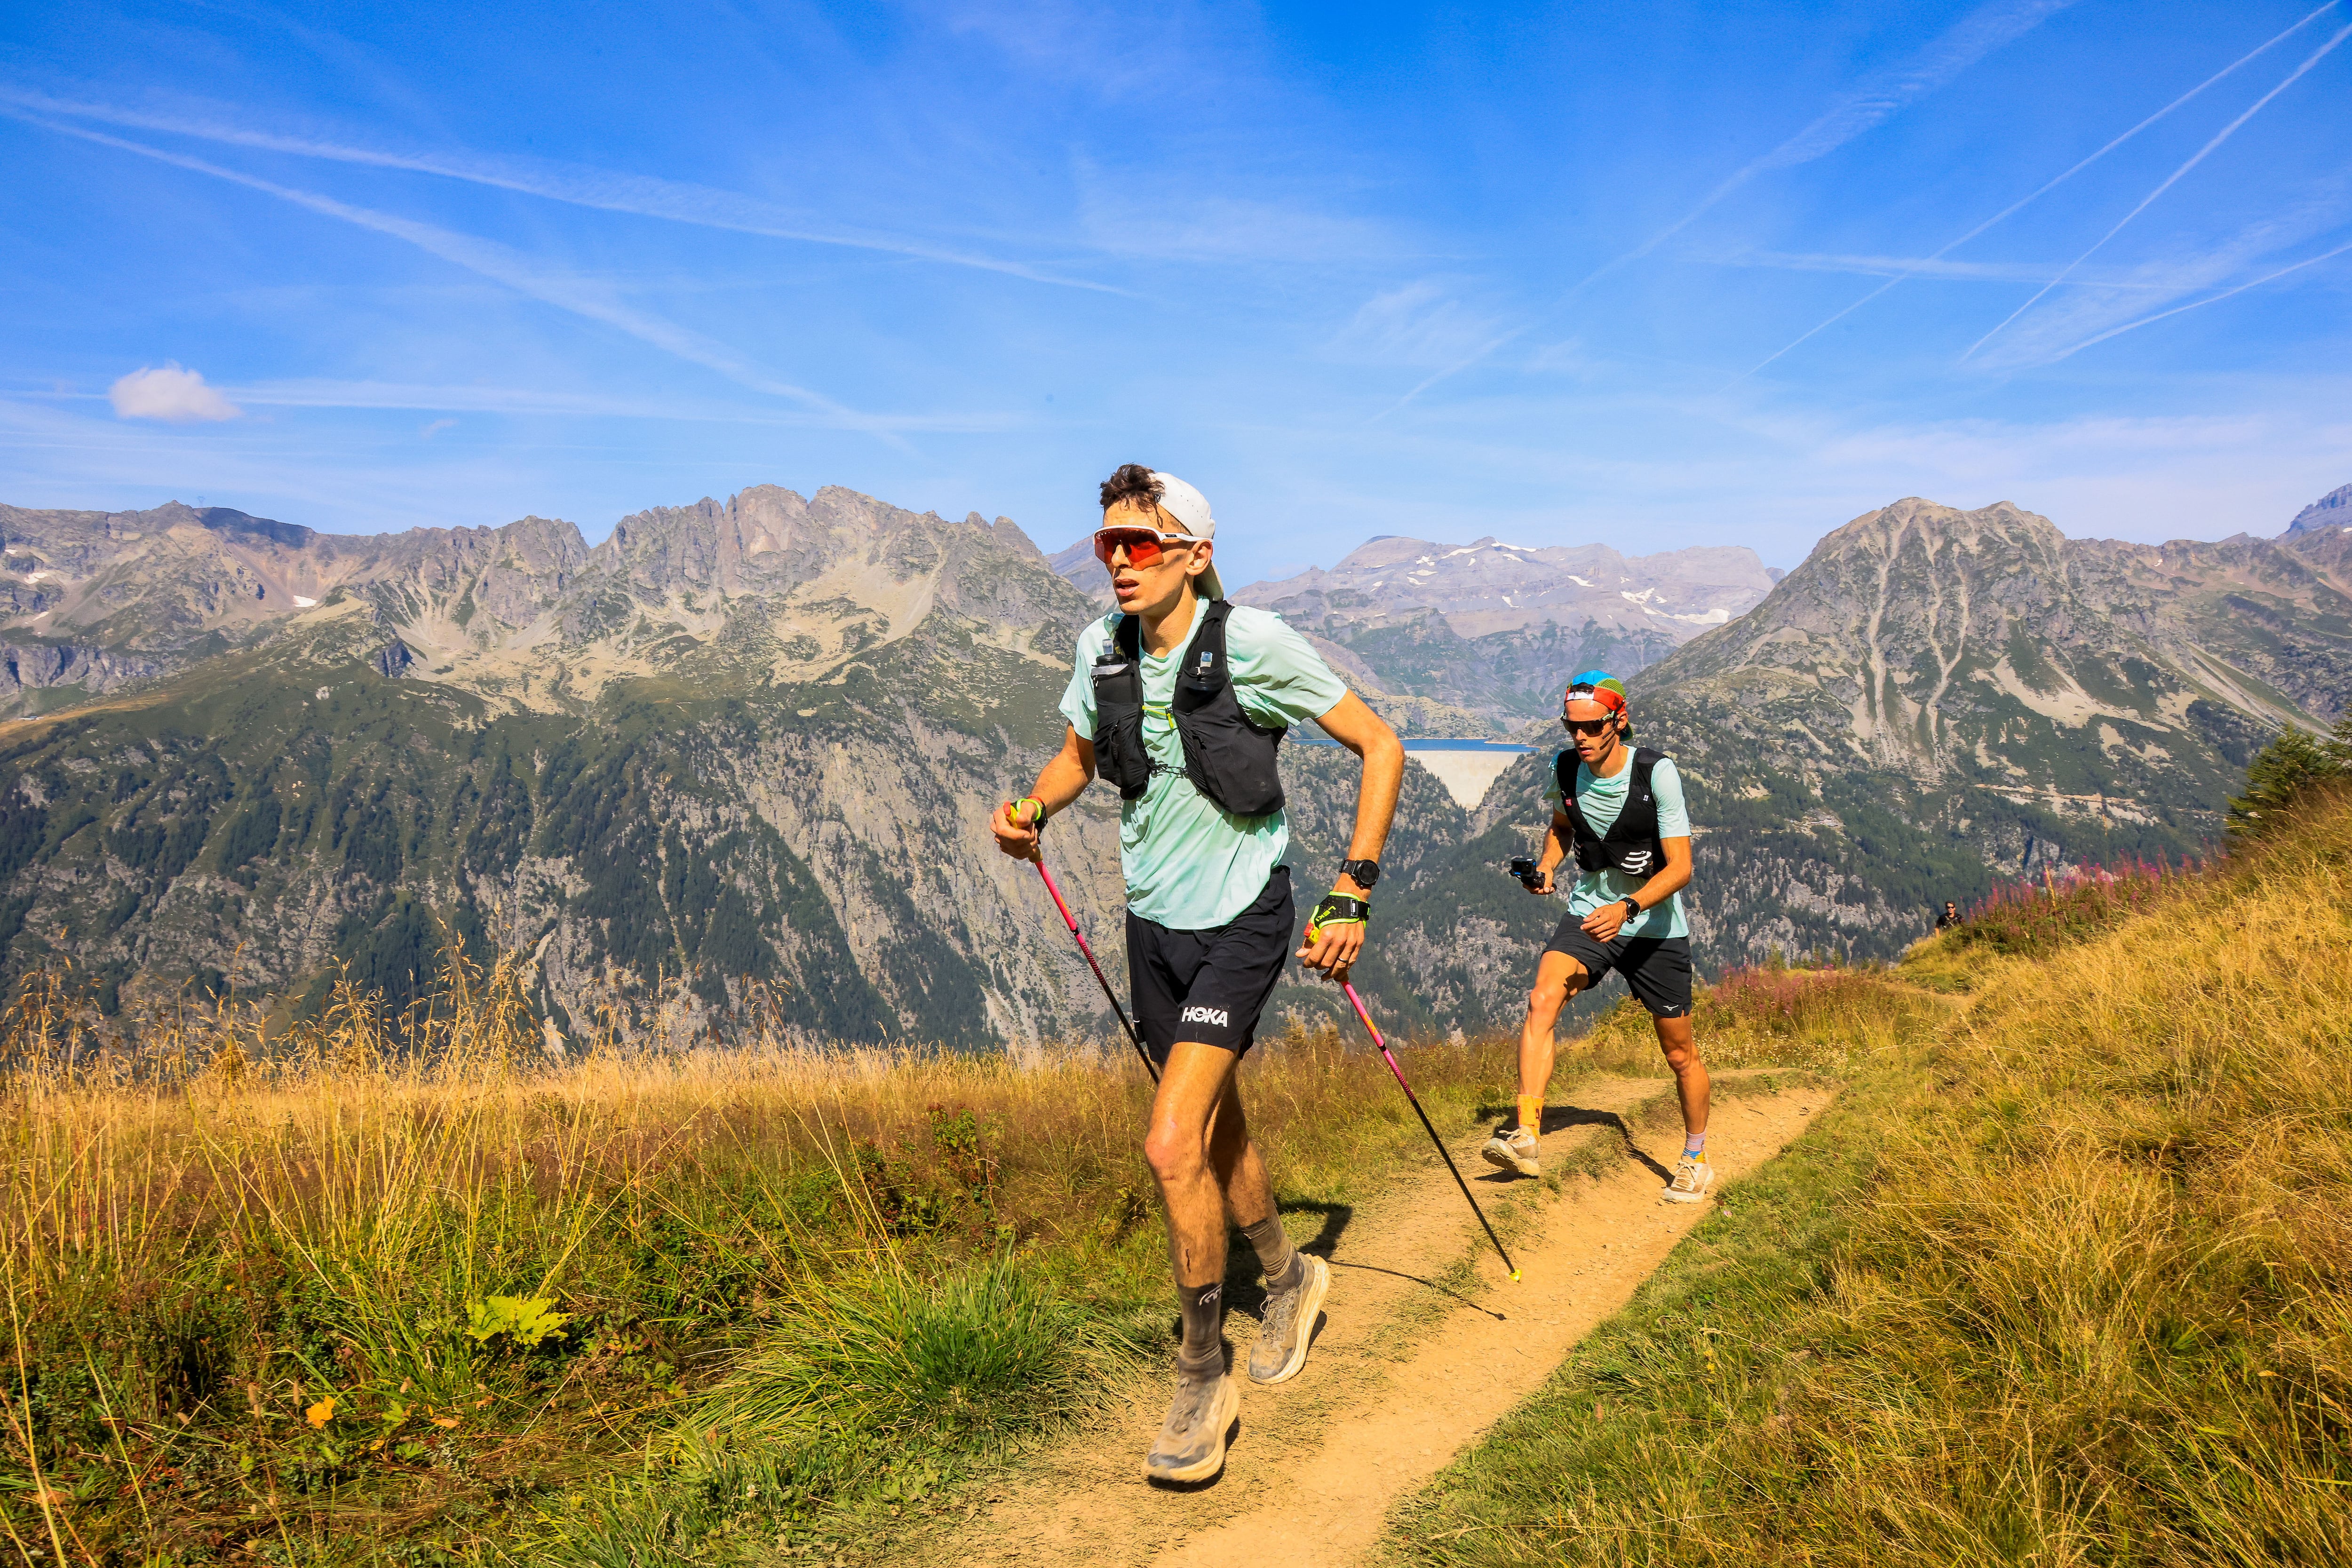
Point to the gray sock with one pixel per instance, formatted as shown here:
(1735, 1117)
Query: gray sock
(1202, 1352)
(1274, 1253)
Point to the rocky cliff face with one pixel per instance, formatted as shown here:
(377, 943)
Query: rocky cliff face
(1938, 695)
(2333, 510)
(750, 740)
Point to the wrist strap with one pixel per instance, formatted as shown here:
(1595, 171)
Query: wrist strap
(1038, 821)
(1337, 909)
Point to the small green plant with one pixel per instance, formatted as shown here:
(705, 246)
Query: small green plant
(524, 1319)
(966, 1144)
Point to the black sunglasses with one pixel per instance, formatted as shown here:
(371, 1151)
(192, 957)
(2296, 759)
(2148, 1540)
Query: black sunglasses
(1586, 726)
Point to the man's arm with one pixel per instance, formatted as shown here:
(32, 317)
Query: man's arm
(1060, 782)
(1361, 731)
(1606, 921)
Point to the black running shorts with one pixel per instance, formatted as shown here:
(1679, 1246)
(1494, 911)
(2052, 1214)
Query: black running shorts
(1209, 985)
(1657, 969)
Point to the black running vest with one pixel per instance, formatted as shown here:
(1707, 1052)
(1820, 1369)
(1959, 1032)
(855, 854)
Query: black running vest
(1632, 844)
(1228, 758)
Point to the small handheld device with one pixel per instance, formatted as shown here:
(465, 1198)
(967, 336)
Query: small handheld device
(1525, 868)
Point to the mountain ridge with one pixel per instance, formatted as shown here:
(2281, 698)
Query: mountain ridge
(752, 742)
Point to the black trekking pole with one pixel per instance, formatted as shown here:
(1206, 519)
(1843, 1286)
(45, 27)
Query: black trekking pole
(1414, 1100)
(1071, 920)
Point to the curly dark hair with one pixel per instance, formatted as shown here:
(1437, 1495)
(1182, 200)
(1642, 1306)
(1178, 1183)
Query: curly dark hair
(1133, 482)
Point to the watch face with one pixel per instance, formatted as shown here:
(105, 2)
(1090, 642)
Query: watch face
(1365, 872)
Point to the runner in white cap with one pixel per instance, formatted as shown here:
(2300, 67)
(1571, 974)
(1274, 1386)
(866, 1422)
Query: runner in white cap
(1180, 699)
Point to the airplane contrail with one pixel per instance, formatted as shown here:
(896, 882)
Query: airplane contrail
(2037, 194)
(1960, 46)
(496, 262)
(640, 195)
(2198, 157)
(2209, 299)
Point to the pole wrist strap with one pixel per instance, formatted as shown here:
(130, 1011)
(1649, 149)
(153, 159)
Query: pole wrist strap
(1021, 820)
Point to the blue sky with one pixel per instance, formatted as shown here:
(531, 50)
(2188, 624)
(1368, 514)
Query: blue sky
(1652, 276)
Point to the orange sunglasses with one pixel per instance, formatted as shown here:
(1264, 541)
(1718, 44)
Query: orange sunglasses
(1142, 544)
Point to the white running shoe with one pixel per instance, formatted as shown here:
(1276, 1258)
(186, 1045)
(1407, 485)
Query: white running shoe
(1192, 1442)
(1691, 1175)
(1288, 1326)
(1513, 1150)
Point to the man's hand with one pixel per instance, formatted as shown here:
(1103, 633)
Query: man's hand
(1603, 923)
(1541, 883)
(1017, 827)
(1017, 823)
(1333, 947)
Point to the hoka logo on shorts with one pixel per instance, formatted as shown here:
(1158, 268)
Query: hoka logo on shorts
(1216, 1015)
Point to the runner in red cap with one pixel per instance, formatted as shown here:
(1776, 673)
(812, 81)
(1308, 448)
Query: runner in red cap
(1620, 810)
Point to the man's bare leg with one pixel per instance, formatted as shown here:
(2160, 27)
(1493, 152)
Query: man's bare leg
(1295, 1283)
(1181, 1147)
(1558, 978)
(1692, 1173)
(1193, 1086)
(1677, 1040)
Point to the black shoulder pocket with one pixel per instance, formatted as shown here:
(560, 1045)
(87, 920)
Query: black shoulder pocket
(1228, 758)
(1119, 754)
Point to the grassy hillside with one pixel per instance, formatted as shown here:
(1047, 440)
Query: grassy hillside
(372, 1296)
(2061, 1279)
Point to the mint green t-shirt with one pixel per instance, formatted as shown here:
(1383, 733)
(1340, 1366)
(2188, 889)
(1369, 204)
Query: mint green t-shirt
(1190, 866)
(1601, 800)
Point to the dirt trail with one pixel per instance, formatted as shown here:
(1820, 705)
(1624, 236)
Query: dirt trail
(1406, 1372)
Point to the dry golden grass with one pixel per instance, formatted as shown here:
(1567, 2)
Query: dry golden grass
(286, 1295)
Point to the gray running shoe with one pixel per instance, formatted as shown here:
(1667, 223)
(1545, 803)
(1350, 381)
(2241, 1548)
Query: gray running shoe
(1513, 1150)
(1691, 1175)
(1192, 1442)
(1288, 1325)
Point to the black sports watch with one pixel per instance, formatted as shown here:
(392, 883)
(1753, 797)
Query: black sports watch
(1633, 907)
(1365, 872)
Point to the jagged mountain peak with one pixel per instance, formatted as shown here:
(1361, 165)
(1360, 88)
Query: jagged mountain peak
(2333, 510)
(1488, 586)
(1934, 525)
(763, 584)
(1943, 643)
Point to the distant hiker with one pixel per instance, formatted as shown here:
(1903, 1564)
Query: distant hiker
(1180, 699)
(1619, 811)
(1950, 917)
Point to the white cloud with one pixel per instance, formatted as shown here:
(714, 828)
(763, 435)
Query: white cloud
(1419, 324)
(436, 427)
(172, 394)
(2253, 255)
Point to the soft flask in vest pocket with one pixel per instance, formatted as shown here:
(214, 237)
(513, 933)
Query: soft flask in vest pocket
(1120, 755)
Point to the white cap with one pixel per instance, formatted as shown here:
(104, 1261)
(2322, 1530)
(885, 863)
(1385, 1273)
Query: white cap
(1191, 508)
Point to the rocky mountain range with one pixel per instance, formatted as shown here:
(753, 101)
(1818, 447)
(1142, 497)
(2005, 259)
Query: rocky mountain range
(745, 748)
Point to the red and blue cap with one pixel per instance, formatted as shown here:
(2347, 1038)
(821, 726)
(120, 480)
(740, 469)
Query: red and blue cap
(1596, 686)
